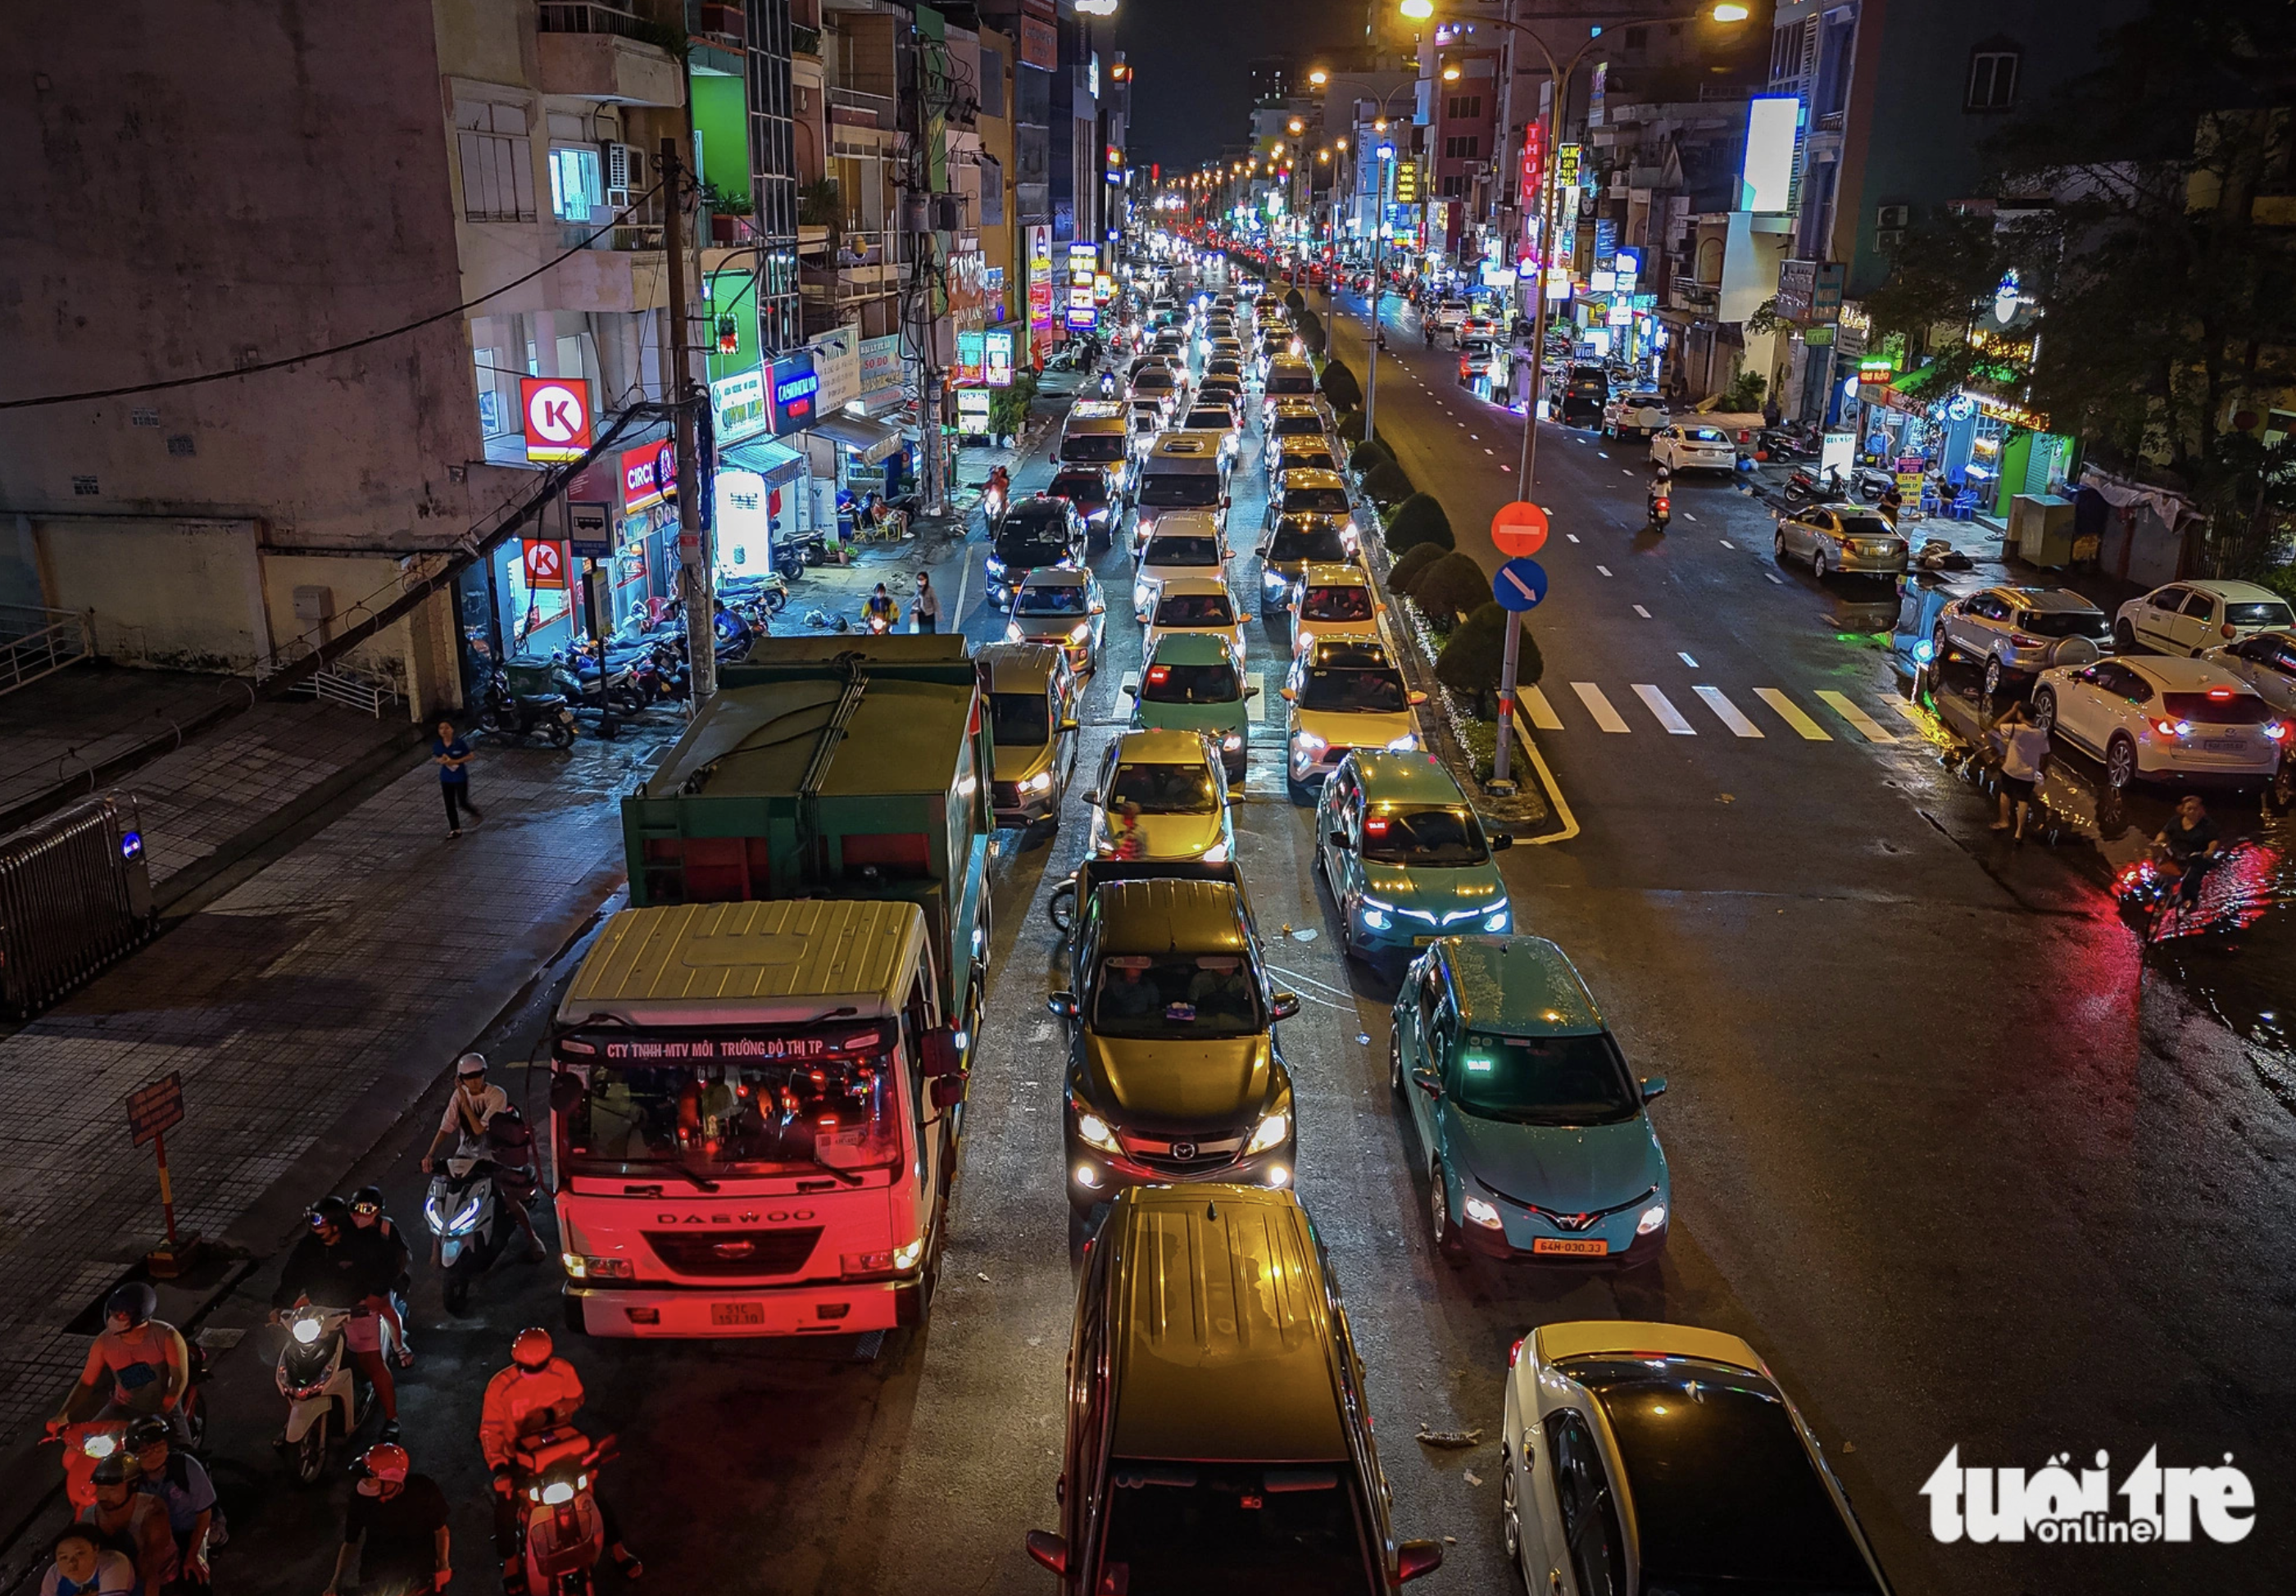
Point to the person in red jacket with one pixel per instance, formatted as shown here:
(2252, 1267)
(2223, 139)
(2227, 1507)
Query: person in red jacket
(538, 1391)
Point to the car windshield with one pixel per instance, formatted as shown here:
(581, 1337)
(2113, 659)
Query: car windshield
(1344, 602)
(1304, 425)
(2065, 622)
(1725, 1494)
(2260, 613)
(1032, 540)
(1181, 548)
(1181, 1529)
(1163, 789)
(1223, 365)
(1307, 457)
(1544, 1080)
(1316, 501)
(2219, 708)
(1020, 720)
(1214, 684)
(1211, 419)
(1085, 488)
(1179, 490)
(781, 1099)
(1354, 690)
(1177, 994)
(1291, 382)
(1423, 837)
(1156, 377)
(1316, 540)
(1641, 402)
(1196, 609)
(1062, 598)
(1093, 448)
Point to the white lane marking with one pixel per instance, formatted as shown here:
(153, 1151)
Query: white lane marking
(1688, 517)
(1642, 612)
(1573, 536)
(1476, 435)
(1729, 544)
(1598, 706)
(1486, 448)
(1773, 576)
(1535, 705)
(1604, 569)
(1727, 712)
(1510, 471)
(1663, 708)
(1685, 659)
(1791, 713)
(1623, 471)
(1873, 729)
(1257, 708)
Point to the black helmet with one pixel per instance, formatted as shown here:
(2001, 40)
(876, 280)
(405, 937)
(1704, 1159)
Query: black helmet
(149, 1431)
(330, 1210)
(367, 1196)
(136, 1299)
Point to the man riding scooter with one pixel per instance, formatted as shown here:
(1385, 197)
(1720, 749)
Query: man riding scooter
(538, 1392)
(137, 1365)
(338, 1265)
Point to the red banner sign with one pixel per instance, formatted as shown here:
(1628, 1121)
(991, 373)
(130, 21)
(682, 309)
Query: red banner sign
(649, 474)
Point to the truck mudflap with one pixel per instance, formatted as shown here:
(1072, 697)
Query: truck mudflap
(713, 1313)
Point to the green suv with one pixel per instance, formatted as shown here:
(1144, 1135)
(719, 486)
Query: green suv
(1404, 855)
(1191, 682)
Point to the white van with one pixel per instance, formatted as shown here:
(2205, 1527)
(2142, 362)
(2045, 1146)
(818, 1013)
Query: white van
(1181, 472)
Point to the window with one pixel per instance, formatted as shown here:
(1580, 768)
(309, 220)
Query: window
(498, 160)
(1465, 146)
(576, 184)
(1454, 188)
(1460, 107)
(1992, 79)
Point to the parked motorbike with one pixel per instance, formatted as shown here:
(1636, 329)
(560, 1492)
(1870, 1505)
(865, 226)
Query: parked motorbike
(464, 1209)
(327, 1396)
(508, 713)
(560, 1532)
(1871, 483)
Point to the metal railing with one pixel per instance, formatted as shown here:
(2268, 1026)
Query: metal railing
(589, 16)
(350, 688)
(75, 893)
(36, 643)
(878, 106)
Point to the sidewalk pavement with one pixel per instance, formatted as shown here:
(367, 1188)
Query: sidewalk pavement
(307, 1009)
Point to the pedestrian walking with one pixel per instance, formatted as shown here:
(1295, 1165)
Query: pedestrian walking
(452, 756)
(2024, 752)
(927, 609)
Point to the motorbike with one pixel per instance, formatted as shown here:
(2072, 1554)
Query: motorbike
(561, 1533)
(1804, 487)
(506, 713)
(1871, 483)
(2225, 898)
(1661, 510)
(327, 1396)
(877, 625)
(464, 1209)
(760, 597)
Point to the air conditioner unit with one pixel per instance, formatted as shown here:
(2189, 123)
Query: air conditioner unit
(1898, 216)
(625, 174)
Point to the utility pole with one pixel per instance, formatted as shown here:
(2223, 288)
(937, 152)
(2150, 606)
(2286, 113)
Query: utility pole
(696, 560)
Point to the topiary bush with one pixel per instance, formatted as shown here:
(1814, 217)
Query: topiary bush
(1453, 586)
(1385, 484)
(1476, 651)
(1349, 427)
(1418, 520)
(1341, 387)
(1368, 453)
(1310, 328)
(1410, 563)
(1294, 300)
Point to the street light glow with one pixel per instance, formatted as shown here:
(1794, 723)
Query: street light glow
(1319, 77)
(1295, 124)
(1451, 73)
(1730, 13)
(1418, 11)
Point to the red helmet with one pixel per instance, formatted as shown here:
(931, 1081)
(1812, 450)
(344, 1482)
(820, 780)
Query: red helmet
(387, 1460)
(531, 1349)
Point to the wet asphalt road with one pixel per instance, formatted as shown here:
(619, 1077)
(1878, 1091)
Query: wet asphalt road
(1956, 1165)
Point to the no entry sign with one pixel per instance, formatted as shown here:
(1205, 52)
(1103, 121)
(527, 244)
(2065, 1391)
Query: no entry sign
(1519, 528)
(557, 411)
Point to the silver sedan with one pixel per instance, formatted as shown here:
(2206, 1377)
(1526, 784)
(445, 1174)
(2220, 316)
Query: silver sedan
(1847, 539)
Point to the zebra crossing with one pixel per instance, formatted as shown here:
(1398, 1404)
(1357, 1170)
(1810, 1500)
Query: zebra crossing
(1829, 716)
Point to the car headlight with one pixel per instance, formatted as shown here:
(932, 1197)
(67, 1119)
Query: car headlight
(1215, 855)
(1308, 742)
(1498, 919)
(1652, 1217)
(1042, 782)
(1094, 1131)
(1375, 919)
(1481, 1213)
(1271, 1133)
(1405, 744)
(1271, 578)
(995, 566)
(907, 1256)
(580, 1266)
(1080, 632)
(1232, 742)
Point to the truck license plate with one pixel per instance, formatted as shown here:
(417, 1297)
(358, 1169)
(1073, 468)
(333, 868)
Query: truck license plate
(737, 1313)
(1576, 1247)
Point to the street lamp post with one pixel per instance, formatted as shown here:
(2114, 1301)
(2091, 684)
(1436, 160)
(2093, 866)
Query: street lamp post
(1385, 153)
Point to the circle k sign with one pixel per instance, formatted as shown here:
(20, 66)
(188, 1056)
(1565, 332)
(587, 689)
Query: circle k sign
(557, 411)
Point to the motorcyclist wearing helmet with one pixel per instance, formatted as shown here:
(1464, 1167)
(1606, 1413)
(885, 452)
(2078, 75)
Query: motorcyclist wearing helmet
(137, 1364)
(469, 1112)
(179, 1484)
(367, 1217)
(396, 1528)
(539, 1391)
(131, 1524)
(338, 1266)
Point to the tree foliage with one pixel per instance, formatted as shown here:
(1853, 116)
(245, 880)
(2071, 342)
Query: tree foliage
(1386, 484)
(1452, 587)
(1409, 565)
(1339, 386)
(1472, 657)
(1311, 329)
(1294, 300)
(1366, 455)
(1418, 520)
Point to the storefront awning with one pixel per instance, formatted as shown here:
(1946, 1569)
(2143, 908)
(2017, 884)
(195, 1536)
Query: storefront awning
(871, 440)
(776, 462)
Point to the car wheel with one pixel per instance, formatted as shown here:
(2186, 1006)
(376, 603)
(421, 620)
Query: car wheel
(1449, 1241)
(2120, 763)
(1394, 1058)
(2044, 709)
(1511, 1516)
(2124, 637)
(1994, 672)
(1778, 546)
(1818, 562)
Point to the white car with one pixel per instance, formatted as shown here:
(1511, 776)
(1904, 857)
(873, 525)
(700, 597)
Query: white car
(2185, 617)
(1194, 604)
(1636, 413)
(2162, 718)
(1186, 544)
(1694, 449)
(2266, 662)
(1660, 1457)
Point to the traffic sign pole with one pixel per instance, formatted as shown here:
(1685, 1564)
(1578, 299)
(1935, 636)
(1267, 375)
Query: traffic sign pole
(167, 1191)
(1519, 530)
(1501, 781)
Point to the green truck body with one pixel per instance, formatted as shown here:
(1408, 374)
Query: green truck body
(833, 767)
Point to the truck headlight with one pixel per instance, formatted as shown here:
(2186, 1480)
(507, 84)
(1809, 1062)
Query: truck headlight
(1215, 855)
(1652, 1217)
(1094, 1131)
(582, 1267)
(1481, 1213)
(1271, 1133)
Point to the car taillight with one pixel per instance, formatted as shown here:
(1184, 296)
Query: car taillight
(2173, 728)
(2023, 642)
(1515, 1353)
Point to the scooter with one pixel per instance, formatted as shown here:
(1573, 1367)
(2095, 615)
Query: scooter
(1661, 510)
(463, 1210)
(326, 1394)
(524, 714)
(561, 1533)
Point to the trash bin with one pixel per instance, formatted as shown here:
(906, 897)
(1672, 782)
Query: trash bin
(2041, 529)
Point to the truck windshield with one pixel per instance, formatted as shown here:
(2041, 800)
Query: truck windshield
(778, 1101)
(1232, 1530)
(1177, 994)
(1020, 720)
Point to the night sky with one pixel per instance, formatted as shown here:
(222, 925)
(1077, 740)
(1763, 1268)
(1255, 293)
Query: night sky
(1193, 94)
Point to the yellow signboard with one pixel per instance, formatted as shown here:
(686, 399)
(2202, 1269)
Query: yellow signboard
(1406, 183)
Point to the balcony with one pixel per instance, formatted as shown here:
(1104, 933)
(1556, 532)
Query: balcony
(591, 51)
(855, 108)
(864, 270)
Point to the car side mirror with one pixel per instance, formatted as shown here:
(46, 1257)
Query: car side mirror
(1428, 1081)
(565, 1094)
(1415, 698)
(1052, 1550)
(1250, 693)
(948, 1091)
(1501, 842)
(937, 1053)
(1338, 839)
(1653, 1085)
(1062, 1003)
(1283, 1006)
(1413, 1559)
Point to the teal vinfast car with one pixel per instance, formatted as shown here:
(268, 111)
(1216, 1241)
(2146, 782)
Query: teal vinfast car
(1535, 1135)
(1191, 682)
(1404, 855)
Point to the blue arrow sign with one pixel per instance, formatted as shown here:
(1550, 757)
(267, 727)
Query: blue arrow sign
(1519, 584)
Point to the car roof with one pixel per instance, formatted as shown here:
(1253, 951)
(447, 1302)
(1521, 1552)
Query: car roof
(1190, 648)
(1405, 778)
(1593, 1337)
(1054, 576)
(1520, 986)
(1312, 476)
(1179, 445)
(2180, 676)
(1019, 666)
(1221, 1327)
(2239, 592)
(1191, 523)
(2046, 600)
(1288, 361)
(1297, 404)
(1331, 573)
(1040, 507)
(1185, 585)
(1156, 745)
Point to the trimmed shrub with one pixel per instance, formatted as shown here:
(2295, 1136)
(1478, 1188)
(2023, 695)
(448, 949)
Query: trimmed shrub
(1310, 328)
(1410, 563)
(1451, 587)
(1340, 387)
(1385, 484)
(1476, 651)
(1294, 300)
(1349, 427)
(1418, 520)
(1368, 453)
